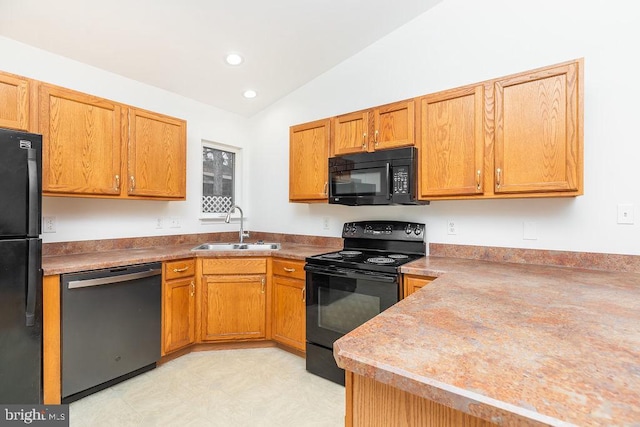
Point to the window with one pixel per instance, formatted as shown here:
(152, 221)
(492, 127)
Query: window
(221, 166)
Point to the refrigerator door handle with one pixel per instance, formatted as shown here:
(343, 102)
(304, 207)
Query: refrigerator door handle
(34, 214)
(33, 278)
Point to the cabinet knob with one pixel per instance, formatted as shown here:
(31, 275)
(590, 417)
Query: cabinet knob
(117, 188)
(193, 288)
(498, 176)
(364, 141)
(375, 138)
(326, 188)
(263, 285)
(289, 270)
(304, 294)
(180, 270)
(133, 182)
(478, 182)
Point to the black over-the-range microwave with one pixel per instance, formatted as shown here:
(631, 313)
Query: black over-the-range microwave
(386, 177)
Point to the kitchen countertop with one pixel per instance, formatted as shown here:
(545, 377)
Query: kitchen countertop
(515, 344)
(59, 264)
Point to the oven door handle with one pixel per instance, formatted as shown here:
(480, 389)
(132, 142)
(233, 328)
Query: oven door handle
(351, 274)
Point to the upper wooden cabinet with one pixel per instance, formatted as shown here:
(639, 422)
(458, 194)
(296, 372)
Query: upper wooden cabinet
(383, 127)
(14, 102)
(538, 131)
(451, 143)
(94, 147)
(157, 155)
(308, 161)
(82, 143)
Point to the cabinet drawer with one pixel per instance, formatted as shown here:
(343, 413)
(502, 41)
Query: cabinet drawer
(289, 268)
(179, 268)
(234, 266)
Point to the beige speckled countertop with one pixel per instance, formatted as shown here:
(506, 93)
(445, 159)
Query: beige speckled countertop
(515, 344)
(69, 263)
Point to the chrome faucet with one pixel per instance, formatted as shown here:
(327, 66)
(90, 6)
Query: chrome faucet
(228, 218)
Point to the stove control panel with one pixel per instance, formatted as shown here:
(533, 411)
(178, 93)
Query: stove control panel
(384, 230)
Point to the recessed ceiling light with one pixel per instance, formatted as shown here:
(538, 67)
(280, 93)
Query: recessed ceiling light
(250, 94)
(234, 59)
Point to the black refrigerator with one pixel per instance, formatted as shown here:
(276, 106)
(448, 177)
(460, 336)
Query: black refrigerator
(20, 268)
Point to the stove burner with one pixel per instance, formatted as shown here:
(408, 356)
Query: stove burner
(350, 253)
(398, 256)
(380, 260)
(332, 256)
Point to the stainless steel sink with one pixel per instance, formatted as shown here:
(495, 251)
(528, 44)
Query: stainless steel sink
(260, 246)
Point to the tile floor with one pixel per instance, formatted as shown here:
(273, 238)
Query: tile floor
(248, 387)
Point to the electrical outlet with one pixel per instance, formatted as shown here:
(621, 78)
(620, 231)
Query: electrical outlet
(625, 214)
(452, 227)
(159, 223)
(325, 223)
(174, 222)
(49, 224)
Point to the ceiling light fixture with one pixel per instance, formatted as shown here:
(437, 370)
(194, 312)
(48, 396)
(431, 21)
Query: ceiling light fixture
(233, 59)
(250, 94)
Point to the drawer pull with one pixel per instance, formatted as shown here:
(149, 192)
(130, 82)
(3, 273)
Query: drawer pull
(289, 270)
(193, 288)
(304, 294)
(262, 291)
(180, 270)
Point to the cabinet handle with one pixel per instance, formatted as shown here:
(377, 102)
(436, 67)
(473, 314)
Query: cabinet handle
(304, 294)
(326, 188)
(180, 270)
(498, 173)
(262, 285)
(289, 270)
(117, 183)
(364, 141)
(193, 288)
(133, 182)
(478, 181)
(375, 138)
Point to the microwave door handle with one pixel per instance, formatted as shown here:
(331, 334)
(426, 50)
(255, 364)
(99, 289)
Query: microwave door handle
(389, 183)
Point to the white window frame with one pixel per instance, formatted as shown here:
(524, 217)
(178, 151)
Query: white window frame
(237, 180)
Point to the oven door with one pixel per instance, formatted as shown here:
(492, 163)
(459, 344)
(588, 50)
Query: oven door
(339, 300)
(360, 183)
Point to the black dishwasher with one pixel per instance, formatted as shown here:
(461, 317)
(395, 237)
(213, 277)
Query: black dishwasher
(111, 327)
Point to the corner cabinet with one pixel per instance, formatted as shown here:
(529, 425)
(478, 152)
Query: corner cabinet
(309, 161)
(178, 305)
(411, 283)
(379, 128)
(15, 102)
(99, 148)
(289, 303)
(538, 131)
(234, 299)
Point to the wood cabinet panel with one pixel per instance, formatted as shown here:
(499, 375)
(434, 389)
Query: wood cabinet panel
(412, 283)
(178, 320)
(234, 307)
(289, 268)
(234, 266)
(451, 143)
(350, 133)
(82, 143)
(14, 102)
(308, 161)
(157, 155)
(394, 125)
(538, 131)
(179, 269)
(289, 323)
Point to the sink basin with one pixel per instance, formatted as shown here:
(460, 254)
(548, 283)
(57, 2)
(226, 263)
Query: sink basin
(237, 247)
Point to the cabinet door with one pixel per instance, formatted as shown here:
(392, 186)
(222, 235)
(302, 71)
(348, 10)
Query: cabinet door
(538, 131)
(452, 143)
(394, 125)
(412, 284)
(308, 161)
(157, 155)
(234, 307)
(179, 314)
(14, 102)
(81, 143)
(289, 323)
(350, 133)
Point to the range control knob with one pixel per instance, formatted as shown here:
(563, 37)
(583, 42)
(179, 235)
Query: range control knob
(408, 230)
(418, 231)
(353, 228)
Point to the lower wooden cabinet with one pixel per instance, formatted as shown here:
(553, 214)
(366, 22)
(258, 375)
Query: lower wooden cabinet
(411, 284)
(179, 305)
(289, 305)
(234, 299)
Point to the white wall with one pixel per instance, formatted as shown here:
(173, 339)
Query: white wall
(86, 219)
(461, 42)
